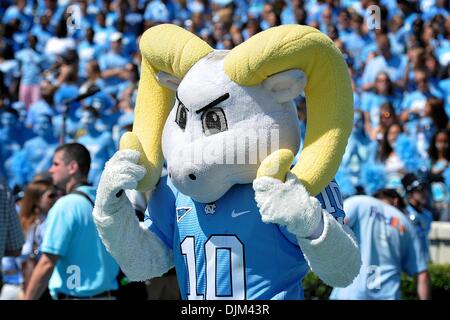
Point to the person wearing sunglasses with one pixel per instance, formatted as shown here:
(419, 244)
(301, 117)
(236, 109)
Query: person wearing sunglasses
(38, 198)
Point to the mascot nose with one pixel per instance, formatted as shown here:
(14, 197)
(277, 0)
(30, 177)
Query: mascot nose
(192, 176)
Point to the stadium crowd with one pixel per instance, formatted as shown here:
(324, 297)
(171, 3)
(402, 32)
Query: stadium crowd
(53, 51)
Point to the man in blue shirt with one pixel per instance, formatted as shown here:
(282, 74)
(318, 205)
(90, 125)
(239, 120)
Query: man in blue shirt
(74, 263)
(388, 244)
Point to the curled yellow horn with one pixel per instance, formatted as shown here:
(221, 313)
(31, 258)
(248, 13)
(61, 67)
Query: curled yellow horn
(173, 50)
(328, 92)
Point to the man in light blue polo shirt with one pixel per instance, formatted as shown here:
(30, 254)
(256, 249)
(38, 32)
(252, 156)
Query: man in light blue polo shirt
(389, 246)
(74, 263)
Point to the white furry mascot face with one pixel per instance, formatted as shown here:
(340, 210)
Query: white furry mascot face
(216, 129)
(221, 118)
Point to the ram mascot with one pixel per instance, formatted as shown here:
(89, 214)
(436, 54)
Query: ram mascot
(233, 229)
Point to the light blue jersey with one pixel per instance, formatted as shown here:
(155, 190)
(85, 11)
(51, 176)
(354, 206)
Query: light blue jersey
(388, 245)
(223, 250)
(84, 267)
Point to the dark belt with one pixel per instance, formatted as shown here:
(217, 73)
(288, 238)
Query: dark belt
(104, 294)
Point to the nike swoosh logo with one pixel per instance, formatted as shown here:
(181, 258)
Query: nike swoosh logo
(237, 214)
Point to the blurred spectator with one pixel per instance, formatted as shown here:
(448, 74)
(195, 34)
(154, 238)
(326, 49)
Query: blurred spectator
(444, 86)
(102, 31)
(386, 153)
(393, 64)
(11, 141)
(417, 202)
(439, 153)
(383, 92)
(100, 144)
(87, 51)
(45, 105)
(400, 71)
(93, 77)
(31, 64)
(37, 153)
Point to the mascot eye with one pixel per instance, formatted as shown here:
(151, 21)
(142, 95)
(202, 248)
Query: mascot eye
(214, 121)
(181, 117)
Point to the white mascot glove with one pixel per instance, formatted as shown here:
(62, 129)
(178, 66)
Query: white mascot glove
(288, 204)
(121, 172)
(139, 252)
(330, 250)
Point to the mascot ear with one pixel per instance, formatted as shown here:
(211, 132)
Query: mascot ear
(167, 80)
(286, 85)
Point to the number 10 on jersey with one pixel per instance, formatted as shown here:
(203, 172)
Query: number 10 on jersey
(237, 268)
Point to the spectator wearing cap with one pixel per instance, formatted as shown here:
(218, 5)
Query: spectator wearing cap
(417, 201)
(112, 63)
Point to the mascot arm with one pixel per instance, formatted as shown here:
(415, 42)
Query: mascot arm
(139, 252)
(328, 246)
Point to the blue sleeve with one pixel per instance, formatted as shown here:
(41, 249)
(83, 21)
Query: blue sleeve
(331, 200)
(413, 259)
(160, 213)
(60, 227)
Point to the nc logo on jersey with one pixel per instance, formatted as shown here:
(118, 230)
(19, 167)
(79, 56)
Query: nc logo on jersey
(182, 212)
(210, 208)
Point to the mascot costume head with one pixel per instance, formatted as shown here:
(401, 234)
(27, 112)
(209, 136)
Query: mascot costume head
(195, 107)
